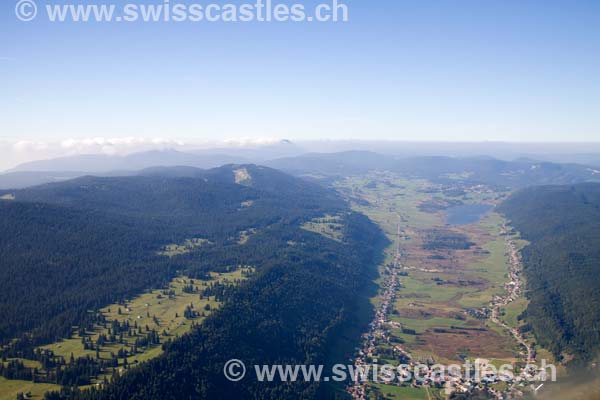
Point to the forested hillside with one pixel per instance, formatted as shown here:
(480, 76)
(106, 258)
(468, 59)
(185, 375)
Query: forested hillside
(97, 239)
(562, 264)
(71, 247)
(58, 263)
(289, 314)
(195, 201)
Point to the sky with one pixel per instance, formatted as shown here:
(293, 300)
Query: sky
(398, 70)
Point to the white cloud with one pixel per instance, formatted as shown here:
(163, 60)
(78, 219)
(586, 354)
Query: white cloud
(13, 152)
(249, 141)
(29, 146)
(122, 145)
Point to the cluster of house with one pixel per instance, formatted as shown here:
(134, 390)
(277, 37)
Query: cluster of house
(377, 329)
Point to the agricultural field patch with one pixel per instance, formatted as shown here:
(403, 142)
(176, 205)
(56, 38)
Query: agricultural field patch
(455, 345)
(404, 392)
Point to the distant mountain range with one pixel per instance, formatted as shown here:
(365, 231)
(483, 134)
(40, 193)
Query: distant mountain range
(100, 163)
(487, 170)
(475, 170)
(65, 168)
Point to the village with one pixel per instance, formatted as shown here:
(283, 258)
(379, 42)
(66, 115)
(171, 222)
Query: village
(514, 290)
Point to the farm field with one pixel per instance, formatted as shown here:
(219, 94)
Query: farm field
(513, 310)
(402, 393)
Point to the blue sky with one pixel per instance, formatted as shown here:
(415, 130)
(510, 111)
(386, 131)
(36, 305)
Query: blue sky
(406, 70)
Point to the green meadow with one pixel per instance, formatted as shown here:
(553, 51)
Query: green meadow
(161, 310)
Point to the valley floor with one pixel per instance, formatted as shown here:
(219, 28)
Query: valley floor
(448, 293)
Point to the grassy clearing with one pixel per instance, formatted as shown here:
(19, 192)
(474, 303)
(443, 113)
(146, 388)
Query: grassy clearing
(187, 246)
(7, 197)
(10, 388)
(244, 236)
(160, 310)
(329, 226)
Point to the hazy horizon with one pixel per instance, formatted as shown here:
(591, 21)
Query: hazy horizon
(24, 151)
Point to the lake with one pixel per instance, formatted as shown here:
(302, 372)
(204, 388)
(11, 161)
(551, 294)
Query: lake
(467, 213)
